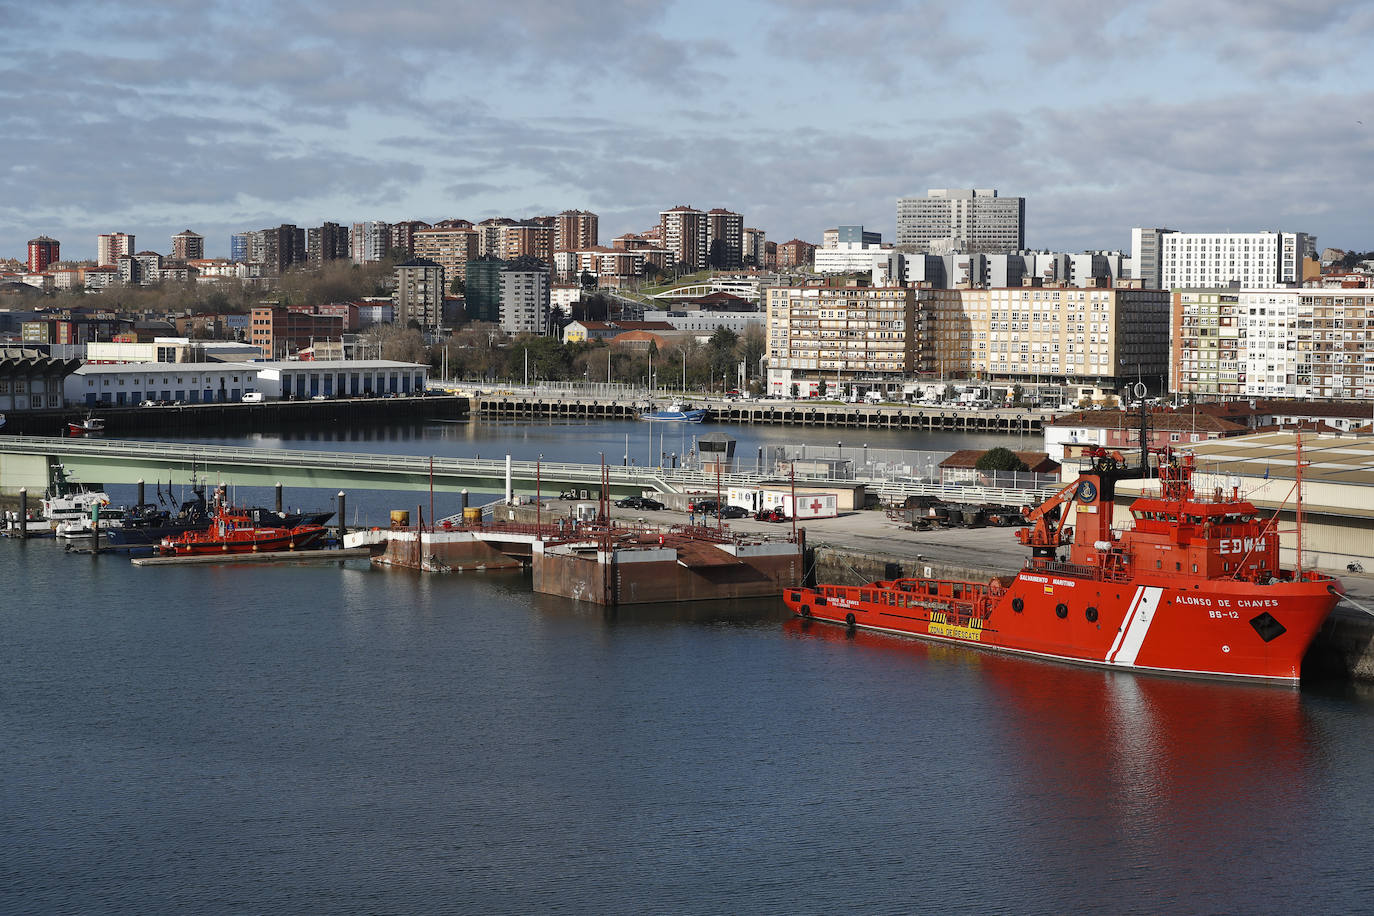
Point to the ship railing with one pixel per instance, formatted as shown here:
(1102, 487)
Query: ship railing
(1078, 570)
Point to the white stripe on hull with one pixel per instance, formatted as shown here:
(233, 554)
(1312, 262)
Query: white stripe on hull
(1132, 636)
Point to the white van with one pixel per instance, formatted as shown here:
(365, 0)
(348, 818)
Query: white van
(252, 397)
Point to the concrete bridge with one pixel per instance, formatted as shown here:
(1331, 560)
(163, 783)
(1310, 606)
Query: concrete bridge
(26, 462)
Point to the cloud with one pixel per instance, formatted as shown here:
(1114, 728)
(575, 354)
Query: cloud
(800, 114)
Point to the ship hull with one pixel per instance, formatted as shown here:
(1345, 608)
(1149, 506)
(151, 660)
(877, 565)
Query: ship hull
(297, 539)
(1224, 629)
(675, 416)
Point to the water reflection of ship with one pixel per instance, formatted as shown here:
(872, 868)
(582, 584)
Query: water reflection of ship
(1138, 768)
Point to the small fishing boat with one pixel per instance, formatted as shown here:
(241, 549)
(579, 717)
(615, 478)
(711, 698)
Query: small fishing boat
(677, 411)
(91, 426)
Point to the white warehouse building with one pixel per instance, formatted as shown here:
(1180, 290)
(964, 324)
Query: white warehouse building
(130, 384)
(339, 378)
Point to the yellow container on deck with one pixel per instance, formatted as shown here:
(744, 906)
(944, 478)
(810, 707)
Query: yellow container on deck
(472, 515)
(400, 518)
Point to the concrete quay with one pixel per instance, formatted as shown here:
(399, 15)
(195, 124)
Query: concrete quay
(516, 405)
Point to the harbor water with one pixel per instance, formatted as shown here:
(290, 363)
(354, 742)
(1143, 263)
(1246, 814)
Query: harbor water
(328, 737)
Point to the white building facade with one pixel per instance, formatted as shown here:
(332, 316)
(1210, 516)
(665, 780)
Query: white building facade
(1279, 342)
(525, 299)
(1196, 260)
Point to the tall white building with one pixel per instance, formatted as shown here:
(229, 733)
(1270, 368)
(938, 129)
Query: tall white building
(1167, 259)
(111, 246)
(369, 242)
(525, 299)
(961, 220)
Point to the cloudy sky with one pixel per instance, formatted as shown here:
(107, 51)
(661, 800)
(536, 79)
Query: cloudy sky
(801, 114)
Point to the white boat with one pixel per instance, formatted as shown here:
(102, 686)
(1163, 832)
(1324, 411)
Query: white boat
(68, 502)
(81, 527)
(677, 411)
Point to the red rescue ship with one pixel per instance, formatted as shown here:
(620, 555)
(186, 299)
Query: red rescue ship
(234, 531)
(1192, 587)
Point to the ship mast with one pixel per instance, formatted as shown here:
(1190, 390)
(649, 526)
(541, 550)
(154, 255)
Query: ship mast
(1298, 475)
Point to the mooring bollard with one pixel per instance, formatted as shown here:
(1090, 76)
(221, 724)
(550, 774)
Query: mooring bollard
(343, 509)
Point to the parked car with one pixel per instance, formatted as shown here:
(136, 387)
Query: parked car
(639, 502)
(704, 506)
(732, 512)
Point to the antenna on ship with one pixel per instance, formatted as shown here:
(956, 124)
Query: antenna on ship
(1139, 392)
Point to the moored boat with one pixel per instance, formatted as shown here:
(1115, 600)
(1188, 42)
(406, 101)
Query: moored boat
(91, 426)
(1193, 587)
(678, 411)
(234, 531)
(68, 501)
(83, 526)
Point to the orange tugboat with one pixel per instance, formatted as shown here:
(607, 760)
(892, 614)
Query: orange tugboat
(1193, 587)
(234, 531)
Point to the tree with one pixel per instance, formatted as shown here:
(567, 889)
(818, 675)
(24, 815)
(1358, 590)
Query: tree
(720, 351)
(587, 280)
(950, 394)
(820, 388)
(752, 344)
(1017, 393)
(458, 287)
(999, 459)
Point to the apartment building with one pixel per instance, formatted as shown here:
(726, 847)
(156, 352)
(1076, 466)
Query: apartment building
(369, 241)
(403, 235)
(279, 332)
(873, 337)
(42, 252)
(186, 246)
(1277, 342)
(532, 238)
(576, 230)
(795, 253)
(419, 294)
(109, 246)
(328, 242)
(724, 239)
(754, 244)
(953, 220)
(450, 248)
(1096, 338)
(683, 231)
(1168, 259)
(524, 299)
